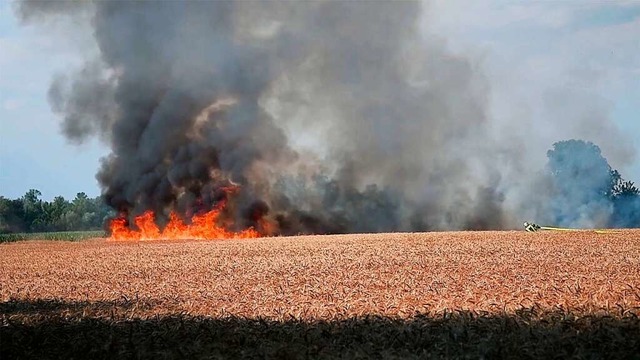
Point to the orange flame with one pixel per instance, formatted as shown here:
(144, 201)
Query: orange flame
(203, 226)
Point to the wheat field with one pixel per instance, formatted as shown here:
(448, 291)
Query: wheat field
(404, 295)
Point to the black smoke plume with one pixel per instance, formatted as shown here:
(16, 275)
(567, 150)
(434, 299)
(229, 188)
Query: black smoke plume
(327, 116)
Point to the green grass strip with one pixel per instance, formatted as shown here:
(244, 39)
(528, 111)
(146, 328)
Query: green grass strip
(58, 236)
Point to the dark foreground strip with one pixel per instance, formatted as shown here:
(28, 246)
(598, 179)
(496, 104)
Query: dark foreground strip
(57, 330)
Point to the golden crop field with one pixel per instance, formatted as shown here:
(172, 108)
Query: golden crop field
(451, 294)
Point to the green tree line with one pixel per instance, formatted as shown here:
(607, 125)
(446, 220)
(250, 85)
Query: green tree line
(30, 213)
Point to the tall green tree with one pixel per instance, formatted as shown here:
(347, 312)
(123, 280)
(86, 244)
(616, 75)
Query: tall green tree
(34, 215)
(11, 215)
(587, 189)
(626, 202)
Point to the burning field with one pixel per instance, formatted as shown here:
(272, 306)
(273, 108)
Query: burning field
(453, 294)
(313, 117)
(259, 122)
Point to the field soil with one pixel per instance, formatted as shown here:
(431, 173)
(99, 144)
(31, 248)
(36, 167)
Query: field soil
(406, 295)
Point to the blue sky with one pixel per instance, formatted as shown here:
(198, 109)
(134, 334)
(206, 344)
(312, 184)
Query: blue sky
(33, 153)
(586, 52)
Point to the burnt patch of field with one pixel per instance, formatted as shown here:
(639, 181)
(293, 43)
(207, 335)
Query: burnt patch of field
(461, 294)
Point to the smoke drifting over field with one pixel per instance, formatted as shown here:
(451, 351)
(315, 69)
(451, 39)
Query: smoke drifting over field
(329, 116)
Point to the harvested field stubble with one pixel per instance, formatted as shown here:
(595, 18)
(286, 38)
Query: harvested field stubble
(456, 294)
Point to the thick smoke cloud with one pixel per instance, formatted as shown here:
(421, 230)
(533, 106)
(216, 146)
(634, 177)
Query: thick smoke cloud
(582, 182)
(329, 116)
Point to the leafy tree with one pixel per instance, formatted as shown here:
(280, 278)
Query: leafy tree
(34, 215)
(626, 202)
(582, 183)
(11, 215)
(57, 208)
(620, 187)
(587, 191)
(580, 170)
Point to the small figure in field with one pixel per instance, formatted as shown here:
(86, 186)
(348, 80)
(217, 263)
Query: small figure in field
(531, 227)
